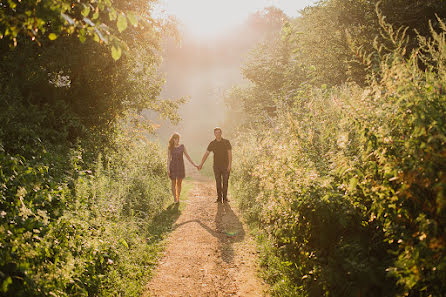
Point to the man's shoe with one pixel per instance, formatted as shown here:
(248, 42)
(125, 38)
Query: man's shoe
(225, 200)
(218, 200)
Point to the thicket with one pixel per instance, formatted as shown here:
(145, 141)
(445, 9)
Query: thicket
(79, 182)
(346, 181)
(83, 233)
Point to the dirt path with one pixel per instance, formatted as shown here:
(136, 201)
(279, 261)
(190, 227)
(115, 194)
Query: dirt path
(209, 253)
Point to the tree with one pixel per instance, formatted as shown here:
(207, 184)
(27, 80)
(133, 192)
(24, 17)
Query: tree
(101, 20)
(331, 43)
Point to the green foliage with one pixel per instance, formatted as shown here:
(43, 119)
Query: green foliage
(32, 202)
(311, 228)
(347, 183)
(90, 240)
(77, 98)
(102, 21)
(326, 46)
(79, 182)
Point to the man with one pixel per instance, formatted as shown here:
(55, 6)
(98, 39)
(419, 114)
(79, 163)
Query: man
(222, 150)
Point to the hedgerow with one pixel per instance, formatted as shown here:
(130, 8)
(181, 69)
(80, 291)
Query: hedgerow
(347, 183)
(86, 234)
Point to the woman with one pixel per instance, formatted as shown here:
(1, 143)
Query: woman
(175, 164)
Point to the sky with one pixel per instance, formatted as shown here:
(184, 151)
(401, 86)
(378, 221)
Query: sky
(203, 70)
(205, 18)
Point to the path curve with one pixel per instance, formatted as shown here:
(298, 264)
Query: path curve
(209, 253)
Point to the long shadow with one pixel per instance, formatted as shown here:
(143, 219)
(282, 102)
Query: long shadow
(229, 230)
(163, 223)
(211, 231)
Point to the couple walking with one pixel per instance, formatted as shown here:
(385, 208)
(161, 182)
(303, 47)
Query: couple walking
(222, 163)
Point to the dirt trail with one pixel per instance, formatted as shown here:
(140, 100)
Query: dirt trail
(209, 252)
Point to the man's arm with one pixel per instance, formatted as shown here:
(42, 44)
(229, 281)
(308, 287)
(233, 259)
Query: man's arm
(230, 160)
(205, 156)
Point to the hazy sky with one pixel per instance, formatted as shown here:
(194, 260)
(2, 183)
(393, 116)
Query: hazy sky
(203, 70)
(204, 18)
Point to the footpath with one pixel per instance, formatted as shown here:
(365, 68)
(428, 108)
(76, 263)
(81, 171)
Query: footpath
(209, 252)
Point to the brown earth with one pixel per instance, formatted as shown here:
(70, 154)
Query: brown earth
(209, 253)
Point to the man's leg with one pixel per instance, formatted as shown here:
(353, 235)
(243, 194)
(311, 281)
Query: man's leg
(218, 175)
(225, 185)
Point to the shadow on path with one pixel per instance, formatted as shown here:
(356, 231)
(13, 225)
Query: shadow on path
(228, 224)
(229, 230)
(163, 223)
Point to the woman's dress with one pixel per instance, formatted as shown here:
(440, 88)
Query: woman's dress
(177, 163)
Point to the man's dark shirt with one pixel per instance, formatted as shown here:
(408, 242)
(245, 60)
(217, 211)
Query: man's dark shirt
(220, 150)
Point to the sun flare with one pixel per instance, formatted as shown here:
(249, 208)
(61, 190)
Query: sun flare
(204, 18)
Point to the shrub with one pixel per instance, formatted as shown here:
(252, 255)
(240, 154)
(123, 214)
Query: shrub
(87, 235)
(348, 186)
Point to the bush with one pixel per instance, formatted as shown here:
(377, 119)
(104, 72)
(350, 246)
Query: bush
(348, 186)
(87, 236)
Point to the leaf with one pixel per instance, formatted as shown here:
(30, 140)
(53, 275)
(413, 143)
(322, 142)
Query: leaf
(124, 243)
(82, 35)
(52, 36)
(116, 52)
(132, 19)
(353, 183)
(112, 14)
(95, 15)
(122, 23)
(12, 4)
(86, 10)
(6, 283)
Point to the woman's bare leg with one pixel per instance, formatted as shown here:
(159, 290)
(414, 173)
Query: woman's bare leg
(179, 188)
(174, 190)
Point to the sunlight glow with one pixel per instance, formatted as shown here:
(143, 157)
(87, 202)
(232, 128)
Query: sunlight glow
(204, 18)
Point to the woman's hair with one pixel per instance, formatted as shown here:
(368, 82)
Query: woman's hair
(172, 140)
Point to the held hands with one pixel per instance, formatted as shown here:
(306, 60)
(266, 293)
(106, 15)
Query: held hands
(197, 166)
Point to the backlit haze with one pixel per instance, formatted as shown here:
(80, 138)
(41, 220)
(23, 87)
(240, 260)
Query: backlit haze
(207, 18)
(216, 38)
